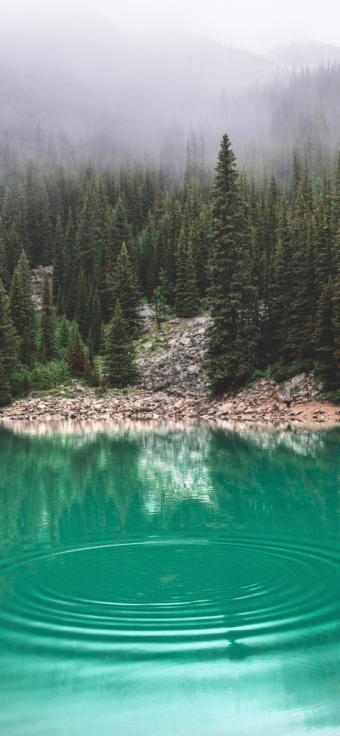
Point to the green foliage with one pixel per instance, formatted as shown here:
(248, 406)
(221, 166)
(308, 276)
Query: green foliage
(233, 338)
(333, 396)
(192, 298)
(64, 333)
(96, 321)
(120, 354)
(258, 253)
(47, 342)
(125, 288)
(58, 258)
(75, 356)
(257, 374)
(22, 309)
(94, 377)
(9, 344)
(42, 377)
(324, 338)
(5, 388)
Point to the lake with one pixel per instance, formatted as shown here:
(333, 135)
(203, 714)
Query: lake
(172, 579)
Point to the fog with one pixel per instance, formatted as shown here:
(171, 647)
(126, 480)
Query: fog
(121, 78)
(245, 22)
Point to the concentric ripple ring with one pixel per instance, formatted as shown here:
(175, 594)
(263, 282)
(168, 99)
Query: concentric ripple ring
(170, 596)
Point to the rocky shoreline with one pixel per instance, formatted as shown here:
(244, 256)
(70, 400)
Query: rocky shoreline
(173, 386)
(263, 403)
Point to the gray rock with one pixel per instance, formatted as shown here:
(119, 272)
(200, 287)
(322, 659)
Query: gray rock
(283, 396)
(146, 312)
(193, 369)
(290, 385)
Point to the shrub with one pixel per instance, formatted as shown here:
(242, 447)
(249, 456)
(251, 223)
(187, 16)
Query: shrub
(41, 378)
(334, 396)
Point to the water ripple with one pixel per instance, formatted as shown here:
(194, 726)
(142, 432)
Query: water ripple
(159, 598)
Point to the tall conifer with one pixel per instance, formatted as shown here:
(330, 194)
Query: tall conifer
(126, 289)
(47, 345)
(324, 338)
(22, 309)
(234, 335)
(9, 347)
(120, 354)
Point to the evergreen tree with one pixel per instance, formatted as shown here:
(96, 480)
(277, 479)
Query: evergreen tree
(180, 287)
(324, 338)
(336, 326)
(69, 285)
(75, 356)
(126, 289)
(22, 309)
(58, 258)
(47, 345)
(13, 248)
(299, 307)
(5, 388)
(9, 347)
(111, 241)
(64, 333)
(120, 354)
(4, 274)
(122, 228)
(81, 311)
(46, 247)
(30, 220)
(86, 255)
(234, 335)
(192, 300)
(96, 320)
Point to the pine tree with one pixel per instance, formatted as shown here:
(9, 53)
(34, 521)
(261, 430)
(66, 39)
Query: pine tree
(46, 246)
(9, 347)
(324, 338)
(192, 299)
(5, 388)
(86, 255)
(122, 227)
(47, 345)
(64, 333)
(69, 272)
(4, 274)
(13, 248)
(180, 287)
(336, 326)
(75, 356)
(22, 310)
(30, 219)
(81, 315)
(96, 320)
(120, 354)
(58, 258)
(126, 289)
(111, 242)
(234, 335)
(299, 318)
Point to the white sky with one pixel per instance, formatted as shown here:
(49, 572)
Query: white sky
(247, 21)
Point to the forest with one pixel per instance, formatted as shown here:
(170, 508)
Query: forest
(261, 253)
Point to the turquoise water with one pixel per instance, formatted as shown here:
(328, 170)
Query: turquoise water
(170, 580)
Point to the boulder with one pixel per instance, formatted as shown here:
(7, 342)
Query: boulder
(283, 396)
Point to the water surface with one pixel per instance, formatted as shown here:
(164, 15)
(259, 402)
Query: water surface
(165, 580)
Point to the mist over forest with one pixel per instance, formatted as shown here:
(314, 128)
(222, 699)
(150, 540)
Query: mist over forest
(83, 90)
(166, 166)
